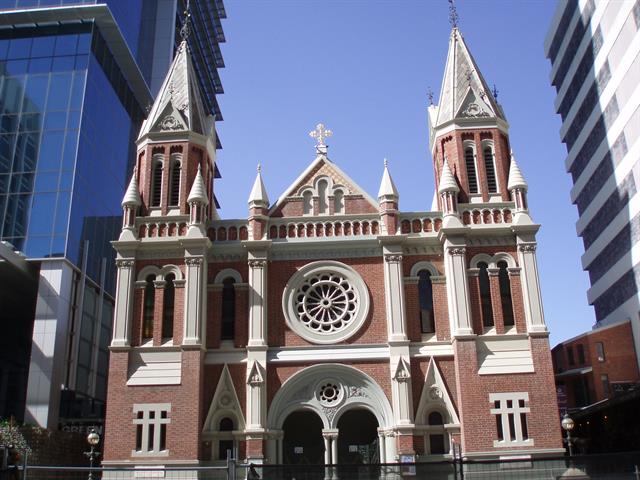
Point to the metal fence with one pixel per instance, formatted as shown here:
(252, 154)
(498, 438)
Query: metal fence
(610, 467)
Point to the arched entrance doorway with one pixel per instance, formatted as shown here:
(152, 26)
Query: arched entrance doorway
(302, 443)
(358, 438)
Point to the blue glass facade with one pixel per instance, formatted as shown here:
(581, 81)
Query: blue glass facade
(66, 127)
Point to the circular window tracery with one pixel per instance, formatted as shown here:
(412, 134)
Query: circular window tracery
(330, 393)
(325, 302)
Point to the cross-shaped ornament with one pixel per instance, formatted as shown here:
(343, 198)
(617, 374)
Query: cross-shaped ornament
(320, 134)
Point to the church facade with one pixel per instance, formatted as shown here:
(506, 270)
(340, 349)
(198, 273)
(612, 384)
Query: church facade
(329, 326)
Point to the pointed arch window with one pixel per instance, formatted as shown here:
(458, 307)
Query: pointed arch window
(470, 163)
(225, 444)
(174, 181)
(437, 437)
(156, 183)
(505, 294)
(490, 169)
(485, 295)
(168, 306)
(338, 200)
(322, 196)
(148, 307)
(425, 296)
(228, 309)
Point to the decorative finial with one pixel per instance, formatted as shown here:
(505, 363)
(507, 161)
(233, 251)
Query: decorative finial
(386, 163)
(259, 169)
(185, 30)
(453, 14)
(320, 134)
(511, 152)
(495, 92)
(430, 95)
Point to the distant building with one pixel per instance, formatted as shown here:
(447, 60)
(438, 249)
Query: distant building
(594, 49)
(74, 88)
(329, 326)
(596, 365)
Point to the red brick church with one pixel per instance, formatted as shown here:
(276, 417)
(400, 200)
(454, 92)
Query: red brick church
(329, 318)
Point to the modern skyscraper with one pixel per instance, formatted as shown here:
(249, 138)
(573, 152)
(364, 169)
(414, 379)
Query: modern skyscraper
(594, 48)
(75, 81)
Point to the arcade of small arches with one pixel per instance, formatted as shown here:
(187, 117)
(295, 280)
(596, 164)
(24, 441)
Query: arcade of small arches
(323, 197)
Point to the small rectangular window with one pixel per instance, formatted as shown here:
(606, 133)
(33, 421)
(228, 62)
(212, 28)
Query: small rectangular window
(600, 351)
(604, 378)
(572, 361)
(581, 358)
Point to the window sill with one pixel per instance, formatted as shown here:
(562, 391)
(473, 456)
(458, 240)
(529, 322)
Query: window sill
(429, 337)
(162, 453)
(505, 444)
(155, 212)
(146, 342)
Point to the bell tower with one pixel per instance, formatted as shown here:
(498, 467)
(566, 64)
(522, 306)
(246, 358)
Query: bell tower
(468, 129)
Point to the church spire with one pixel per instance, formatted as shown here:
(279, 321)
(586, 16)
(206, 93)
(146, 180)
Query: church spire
(464, 92)
(387, 190)
(178, 106)
(258, 196)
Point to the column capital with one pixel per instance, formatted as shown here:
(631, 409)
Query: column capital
(457, 251)
(527, 247)
(393, 258)
(257, 263)
(125, 262)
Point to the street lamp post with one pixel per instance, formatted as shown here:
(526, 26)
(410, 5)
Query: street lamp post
(568, 425)
(93, 439)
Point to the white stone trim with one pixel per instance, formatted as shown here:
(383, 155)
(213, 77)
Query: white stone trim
(291, 290)
(503, 412)
(146, 271)
(424, 265)
(155, 368)
(492, 261)
(504, 355)
(225, 273)
(225, 403)
(435, 396)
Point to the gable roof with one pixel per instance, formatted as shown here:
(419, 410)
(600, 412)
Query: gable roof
(319, 167)
(178, 106)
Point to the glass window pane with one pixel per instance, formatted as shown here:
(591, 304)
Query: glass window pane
(70, 146)
(62, 213)
(66, 44)
(74, 120)
(46, 182)
(41, 220)
(12, 91)
(17, 67)
(4, 45)
(6, 152)
(66, 179)
(4, 187)
(31, 122)
(84, 43)
(40, 65)
(57, 246)
(38, 247)
(63, 64)
(51, 151)
(26, 152)
(77, 93)
(59, 91)
(55, 120)
(82, 62)
(35, 93)
(19, 48)
(8, 124)
(22, 183)
(43, 46)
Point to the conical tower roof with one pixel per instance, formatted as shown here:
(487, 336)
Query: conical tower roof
(132, 195)
(178, 106)
(447, 180)
(464, 92)
(516, 179)
(387, 187)
(258, 194)
(198, 191)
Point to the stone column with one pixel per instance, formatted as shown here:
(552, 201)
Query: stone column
(257, 301)
(531, 297)
(194, 298)
(394, 294)
(123, 318)
(457, 288)
(382, 446)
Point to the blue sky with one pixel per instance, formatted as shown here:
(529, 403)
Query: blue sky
(363, 67)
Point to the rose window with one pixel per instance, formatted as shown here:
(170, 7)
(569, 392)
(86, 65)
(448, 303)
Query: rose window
(325, 302)
(329, 393)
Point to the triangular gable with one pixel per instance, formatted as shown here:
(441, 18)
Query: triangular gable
(225, 403)
(323, 167)
(402, 371)
(435, 394)
(474, 106)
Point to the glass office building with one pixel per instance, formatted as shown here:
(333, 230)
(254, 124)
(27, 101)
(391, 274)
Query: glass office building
(75, 80)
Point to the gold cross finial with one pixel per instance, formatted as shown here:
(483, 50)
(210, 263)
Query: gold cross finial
(320, 134)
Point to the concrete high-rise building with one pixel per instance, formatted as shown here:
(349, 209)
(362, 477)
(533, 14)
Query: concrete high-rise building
(76, 79)
(594, 49)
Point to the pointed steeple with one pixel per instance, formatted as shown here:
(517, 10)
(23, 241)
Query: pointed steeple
(132, 195)
(258, 196)
(447, 180)
(198, 191)
(178, 106)
(464, 92)
(516, 179)
(388, 190)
